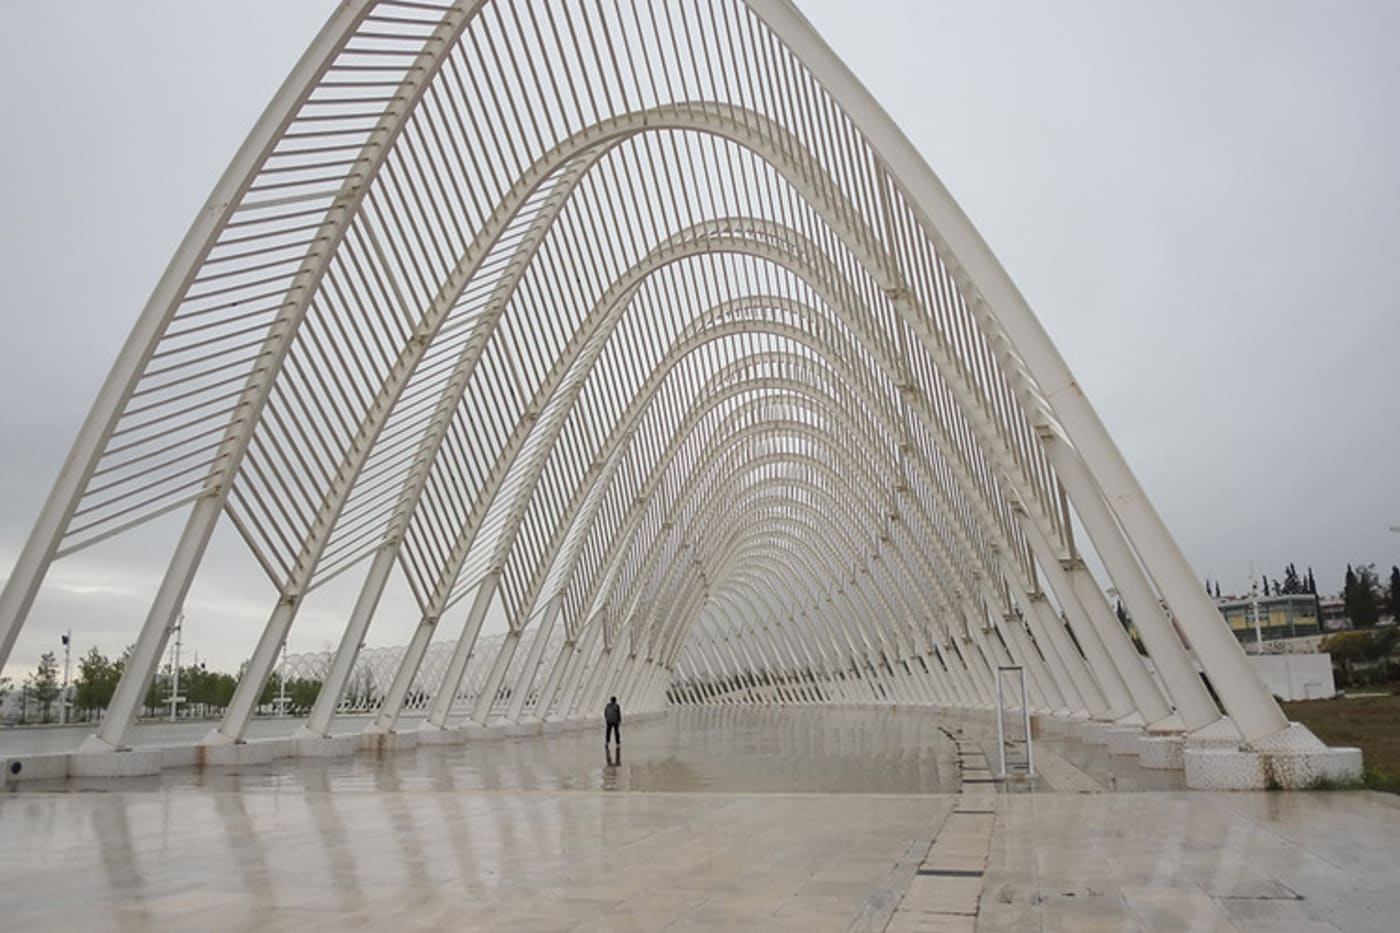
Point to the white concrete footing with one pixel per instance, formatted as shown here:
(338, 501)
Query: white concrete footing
(1123, 740)
(1096, 733)
(1234, 769)
(1161, 752)
(135, 762)
(438, 735)
(18, 768)
(1293, 759)
(1057, 724)
(384, 742)
(492, 730)
(239, 754)
(318, 746)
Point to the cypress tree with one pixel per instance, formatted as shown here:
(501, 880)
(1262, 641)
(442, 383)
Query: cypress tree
(1395, 593)
(1362, 596)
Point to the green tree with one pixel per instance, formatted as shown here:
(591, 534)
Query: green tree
(158, 694)
(1394, 595)
(221, 688)
(1292, 583)
(4, 689)
(97, 680)
(1350, 648)
(1361, 595)
(43, 684)
(301, 694)
(271, 690)
(195, 685)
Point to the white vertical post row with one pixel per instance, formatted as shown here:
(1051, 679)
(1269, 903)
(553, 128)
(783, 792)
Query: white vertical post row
(543, 629)
(446, 694)
(583, 656)
(486, 700)
(351, 640)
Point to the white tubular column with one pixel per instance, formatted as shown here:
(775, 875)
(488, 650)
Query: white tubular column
(1089, 631)
(150, 644)
(560, 708)
(446, 694)
(543, 629)
(557, 671)
(1049, 631)
(351, 640)
(605, 678)
(487, 699)
(1148, 701)
(1193, 702)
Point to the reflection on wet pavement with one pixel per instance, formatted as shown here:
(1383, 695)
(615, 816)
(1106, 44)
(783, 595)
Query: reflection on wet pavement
(736, 750)
(744, 819)
(741, 828)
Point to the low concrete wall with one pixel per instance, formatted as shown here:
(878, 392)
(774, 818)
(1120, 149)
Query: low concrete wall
(1296, 676)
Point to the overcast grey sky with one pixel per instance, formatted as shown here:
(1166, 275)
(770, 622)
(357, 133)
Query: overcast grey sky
(1200, 199)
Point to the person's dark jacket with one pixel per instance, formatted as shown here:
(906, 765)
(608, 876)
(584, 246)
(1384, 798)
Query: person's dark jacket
(612, 714)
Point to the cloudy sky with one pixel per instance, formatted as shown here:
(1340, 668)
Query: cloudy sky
(1201, 201)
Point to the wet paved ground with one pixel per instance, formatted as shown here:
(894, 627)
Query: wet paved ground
(733, 819)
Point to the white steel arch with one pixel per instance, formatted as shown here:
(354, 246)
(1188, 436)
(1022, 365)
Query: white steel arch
(643, 321)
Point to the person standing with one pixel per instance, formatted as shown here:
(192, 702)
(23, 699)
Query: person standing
(612, 715)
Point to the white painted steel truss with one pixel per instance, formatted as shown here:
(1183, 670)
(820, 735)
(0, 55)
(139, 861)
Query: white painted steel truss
(646, 321)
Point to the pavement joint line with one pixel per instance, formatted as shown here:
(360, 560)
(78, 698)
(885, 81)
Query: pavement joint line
(951, 872)
(879, 908)
(974, 833)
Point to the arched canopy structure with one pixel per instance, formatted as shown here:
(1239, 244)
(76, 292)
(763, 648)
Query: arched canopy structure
(644, 322)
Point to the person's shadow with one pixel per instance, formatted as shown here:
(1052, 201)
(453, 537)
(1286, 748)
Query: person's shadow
(614, 760)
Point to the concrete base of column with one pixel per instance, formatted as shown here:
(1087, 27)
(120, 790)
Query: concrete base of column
(380, 743)
(1123, 740)
(321, 746)
(1170, 724)
(525, 727)
(239, 754)
(18, 768)
(1162, 752)
(135, 762)
(1057, 723)
(492, 730)
(439, 735)
(1097, 733)
(1293, 759)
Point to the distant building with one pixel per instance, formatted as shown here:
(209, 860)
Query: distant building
(1333, 612)
(1283, 616)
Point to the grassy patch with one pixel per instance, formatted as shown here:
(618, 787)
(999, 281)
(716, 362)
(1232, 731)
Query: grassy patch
(1371, 724)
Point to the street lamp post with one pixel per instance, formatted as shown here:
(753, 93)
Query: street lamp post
(175, 669)
(67, 659)
(282, 684)
(1254, 611)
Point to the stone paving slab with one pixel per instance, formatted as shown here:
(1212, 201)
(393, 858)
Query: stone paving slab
(1211, 861)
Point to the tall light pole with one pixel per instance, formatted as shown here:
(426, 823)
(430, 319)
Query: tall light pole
(67, 659)
(282, 683)
(1254, 611)
(175, 668)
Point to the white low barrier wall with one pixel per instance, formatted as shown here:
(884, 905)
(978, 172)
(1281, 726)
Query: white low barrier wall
(1296, 676)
